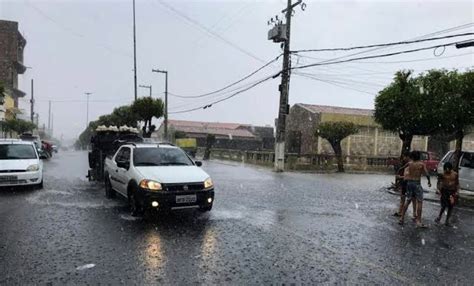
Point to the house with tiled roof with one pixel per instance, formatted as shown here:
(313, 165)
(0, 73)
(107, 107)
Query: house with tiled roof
(371, 140)
(227, 135)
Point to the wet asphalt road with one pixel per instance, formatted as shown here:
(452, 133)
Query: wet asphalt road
(265, 228)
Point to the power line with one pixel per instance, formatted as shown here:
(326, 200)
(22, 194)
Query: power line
(460, 27)
(209, 31)
(336, 83)
(384, 45)
(417, 60)
(374, 56)
(229, 85)
(227, 97)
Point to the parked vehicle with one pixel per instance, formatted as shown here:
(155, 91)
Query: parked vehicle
(38, 144)
(466, 168)
(430, 159)
(158, 176)
(20, 164)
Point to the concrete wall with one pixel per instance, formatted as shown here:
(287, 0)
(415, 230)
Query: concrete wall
(302, 124)
(371, 140)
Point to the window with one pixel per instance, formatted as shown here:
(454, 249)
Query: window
(160, 157)
(424, 156)
(126, 155)
(17, 151)
(467, 160)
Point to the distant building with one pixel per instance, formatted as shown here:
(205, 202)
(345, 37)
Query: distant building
(228, 135)
(12, 44)
(371, 140)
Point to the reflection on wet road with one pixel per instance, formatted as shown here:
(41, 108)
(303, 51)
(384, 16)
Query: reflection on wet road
(265, 228)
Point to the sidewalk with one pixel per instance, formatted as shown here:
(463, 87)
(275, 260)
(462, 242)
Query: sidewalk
(466, 198)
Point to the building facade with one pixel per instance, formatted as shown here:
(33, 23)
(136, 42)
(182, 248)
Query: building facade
(12, 44)
(227, 135)
(371, 140)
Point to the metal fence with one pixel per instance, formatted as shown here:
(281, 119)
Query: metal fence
(304, 161)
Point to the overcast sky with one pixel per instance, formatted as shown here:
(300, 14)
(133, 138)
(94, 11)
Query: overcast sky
(86, 46)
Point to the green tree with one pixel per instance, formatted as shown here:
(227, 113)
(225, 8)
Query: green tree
(145, 109)
(403, 109)
(451, 102)
(18, 125)
(124, 115)
(335, 132)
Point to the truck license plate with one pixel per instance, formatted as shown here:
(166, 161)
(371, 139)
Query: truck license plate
(186, 199)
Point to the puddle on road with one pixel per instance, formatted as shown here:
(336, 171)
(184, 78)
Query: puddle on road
(65, 199)
(129, 217)
(86, 266)
(224, 214)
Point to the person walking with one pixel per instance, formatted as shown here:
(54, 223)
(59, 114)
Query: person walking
(413, 173)
(449, 187)
(401, 185)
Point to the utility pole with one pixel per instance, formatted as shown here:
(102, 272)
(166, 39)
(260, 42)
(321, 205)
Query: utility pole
(281, 33)
(166, 101)
(134, 52)
(49, 116)
(87, 112)
(146, 86)
(52, 124)
(32, 102)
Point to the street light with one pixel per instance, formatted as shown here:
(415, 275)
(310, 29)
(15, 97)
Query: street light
(146, 86)
(166, 99)
(87, 116)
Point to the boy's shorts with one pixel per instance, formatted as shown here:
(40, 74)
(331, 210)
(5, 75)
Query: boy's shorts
(414, 190)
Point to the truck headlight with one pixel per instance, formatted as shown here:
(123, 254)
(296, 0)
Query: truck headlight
(34, 167)
(208, 183)
(150, 185)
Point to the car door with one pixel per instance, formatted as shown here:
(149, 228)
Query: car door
(113, 172)
(466, 171)
(121, 171)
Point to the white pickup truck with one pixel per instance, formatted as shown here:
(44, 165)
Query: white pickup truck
(157, 176)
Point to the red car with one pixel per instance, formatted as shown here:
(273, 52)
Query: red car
(430, 159)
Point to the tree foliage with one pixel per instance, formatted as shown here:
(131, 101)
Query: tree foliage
(437, 103)
(402, 109)
(18, 125)
(335, 132)
(120, 116)
(145, 109)
(451, 103)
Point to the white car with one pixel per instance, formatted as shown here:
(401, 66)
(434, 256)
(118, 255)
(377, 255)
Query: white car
(160, 176)
(20, 164)
(466, 168)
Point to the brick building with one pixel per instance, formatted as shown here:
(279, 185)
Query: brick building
(12, 44)
(371, 140)
(228, 135)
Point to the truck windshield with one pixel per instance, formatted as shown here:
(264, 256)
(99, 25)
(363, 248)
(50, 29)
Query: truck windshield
(17, 151)
(160, 157)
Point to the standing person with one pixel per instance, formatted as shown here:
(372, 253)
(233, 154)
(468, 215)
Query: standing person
(449, 188)
(413, 173)
(401, 185)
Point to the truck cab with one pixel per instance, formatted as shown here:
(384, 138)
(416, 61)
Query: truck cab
(157, 176)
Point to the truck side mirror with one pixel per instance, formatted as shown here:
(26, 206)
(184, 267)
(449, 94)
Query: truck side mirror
(198, 163)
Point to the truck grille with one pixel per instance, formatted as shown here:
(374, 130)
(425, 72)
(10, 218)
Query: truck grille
(11, 180)
(12, 171)
(184, 187)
